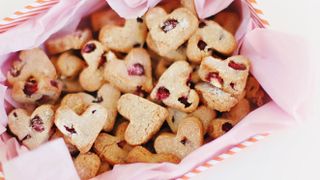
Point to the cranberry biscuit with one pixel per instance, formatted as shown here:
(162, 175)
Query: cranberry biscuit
(210, 39)
(169, 31)
(229, 75)
(32, 129)
(188, 138)
(173, 90)
(123, 39)
(87, 165)
(130, 74)
(145, 118)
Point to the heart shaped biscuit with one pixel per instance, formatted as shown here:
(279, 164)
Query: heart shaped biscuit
(109, 149)
(132, 73)
(81, 130)
(145, 118)
(87, 165)
(188, 138)
(169, 31)
(215, 98)
(133, 34)
(91, 78)
(210, 39)
(141, 154)
(34, 129)
(173, 90)
(107, 96)
(229, 75)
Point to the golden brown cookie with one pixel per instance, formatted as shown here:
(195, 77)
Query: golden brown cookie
(220, 126)
(131, 73)
(145, 118)
(122, 39)
(188, 138)
(32, 129)
(141, 154)
(87, 165)
(173, 88)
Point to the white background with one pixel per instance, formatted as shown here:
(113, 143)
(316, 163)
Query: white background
(289, 155)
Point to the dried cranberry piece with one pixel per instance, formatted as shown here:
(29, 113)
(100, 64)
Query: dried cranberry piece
(140, 92)
(136, 70)
(232, 85)
(139, 19)
(15, 114)
(102, 61)
(37, 124)
(54, 83)
(30, 87)
(227, 126)
(202, 24)
(98, 100)
(184, 100)
(214, 76)
(89, 48)
(162, 93)
(189, 82)
(183, 141)
(71, 129)
(237, 66)
(201, 45)
(121, 144)
(169, 24)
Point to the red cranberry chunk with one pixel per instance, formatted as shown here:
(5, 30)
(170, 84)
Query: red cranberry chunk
(169, 24)
(102, 61)
(214, 75)
(232, 85)
(30, 87)
(183, 140)
(237, 66)
(162, 93)
(37, 124)
(184, 100)
(71, 129)
(202, 45)
(54, 83)
(227, 126)
(89, 48)
(136, 70)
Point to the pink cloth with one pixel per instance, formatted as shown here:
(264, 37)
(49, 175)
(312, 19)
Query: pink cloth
(278, 62)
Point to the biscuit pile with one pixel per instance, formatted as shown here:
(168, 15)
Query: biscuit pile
(151, 89)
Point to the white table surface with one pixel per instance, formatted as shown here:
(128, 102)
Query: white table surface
(291, 154)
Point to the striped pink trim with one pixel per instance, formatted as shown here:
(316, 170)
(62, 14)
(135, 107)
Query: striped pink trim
(29, 11)
(217, 159)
